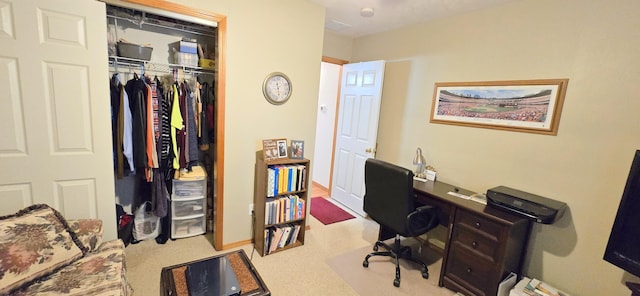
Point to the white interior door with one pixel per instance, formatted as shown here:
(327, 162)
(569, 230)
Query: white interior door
(357, 130)
(54, 120)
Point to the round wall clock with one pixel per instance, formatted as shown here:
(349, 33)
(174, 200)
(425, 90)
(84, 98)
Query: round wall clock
(277, 88)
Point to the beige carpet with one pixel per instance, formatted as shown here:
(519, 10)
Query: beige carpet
(329, 263)
(381, 271)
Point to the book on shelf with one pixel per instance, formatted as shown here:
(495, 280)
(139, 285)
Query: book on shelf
(285, 178)
(275, 208)
(287, 208)
(293, 201)
(294, 178)
(301, 208)
(276, 177)
(286, 231)
(277, 235)
(275, 211)
(271, 182)
(283, 208)
(304, 180)
(294, 235)
(289, 177)
(267, 211)
(281, 179)
(267, 240)
(300, 168)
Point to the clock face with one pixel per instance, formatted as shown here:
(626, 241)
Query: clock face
(277, 88)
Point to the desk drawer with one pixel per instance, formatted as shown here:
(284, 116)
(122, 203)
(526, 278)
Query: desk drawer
(472, 272)
(483, 225)
(476, 242)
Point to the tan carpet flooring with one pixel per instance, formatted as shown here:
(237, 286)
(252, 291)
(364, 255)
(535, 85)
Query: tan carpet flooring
(329, 263)
(377, 279)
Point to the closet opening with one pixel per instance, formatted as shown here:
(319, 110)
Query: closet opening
(167, 113)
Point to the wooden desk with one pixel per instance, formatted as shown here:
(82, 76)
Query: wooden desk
(482, 245)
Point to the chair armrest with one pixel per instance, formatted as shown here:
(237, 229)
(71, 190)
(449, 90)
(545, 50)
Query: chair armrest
(423, 219)
(89, 232)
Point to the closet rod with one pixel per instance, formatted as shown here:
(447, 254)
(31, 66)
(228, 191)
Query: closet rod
(162, 26)
(158, 67)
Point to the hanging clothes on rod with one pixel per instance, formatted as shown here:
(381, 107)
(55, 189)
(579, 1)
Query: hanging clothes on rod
(193, 152)
(153, 118)
(137, 91)
(121, 127)
(207, 116)
(148, 86)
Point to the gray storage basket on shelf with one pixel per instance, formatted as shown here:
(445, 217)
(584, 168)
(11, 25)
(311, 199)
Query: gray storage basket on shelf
(134, 51)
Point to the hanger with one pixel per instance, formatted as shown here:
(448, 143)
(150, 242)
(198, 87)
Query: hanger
(115, 65)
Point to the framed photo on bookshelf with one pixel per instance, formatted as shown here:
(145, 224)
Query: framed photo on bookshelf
(282, 148)
(297, 149)
(270, 149)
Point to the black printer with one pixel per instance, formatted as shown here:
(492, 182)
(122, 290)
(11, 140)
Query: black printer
(537, 208)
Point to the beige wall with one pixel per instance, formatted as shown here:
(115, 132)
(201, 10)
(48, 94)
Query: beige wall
(262, 37)
(594, 44)
(337, 46)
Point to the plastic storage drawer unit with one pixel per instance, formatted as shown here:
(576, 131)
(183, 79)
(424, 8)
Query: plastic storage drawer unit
(187, 227)
(189, 204)
(188, 189)
(182, 208)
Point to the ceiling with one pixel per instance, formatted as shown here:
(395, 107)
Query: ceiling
(343, 16)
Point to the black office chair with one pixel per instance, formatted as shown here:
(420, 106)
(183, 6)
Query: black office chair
(389, 200)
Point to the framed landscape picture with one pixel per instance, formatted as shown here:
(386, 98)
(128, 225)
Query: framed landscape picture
(297, 149)
(518, 105)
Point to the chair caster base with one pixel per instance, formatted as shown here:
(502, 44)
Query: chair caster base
(365, 263)
(396, 282)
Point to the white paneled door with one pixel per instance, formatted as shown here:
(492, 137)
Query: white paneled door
(55, 145)
(357, 131)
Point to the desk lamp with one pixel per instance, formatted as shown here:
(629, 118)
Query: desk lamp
(419, 162)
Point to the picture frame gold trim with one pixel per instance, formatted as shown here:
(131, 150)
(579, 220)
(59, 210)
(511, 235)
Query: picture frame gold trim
(532, 106)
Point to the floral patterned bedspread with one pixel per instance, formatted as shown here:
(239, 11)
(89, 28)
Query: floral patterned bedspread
(44, 254)
(101, 272)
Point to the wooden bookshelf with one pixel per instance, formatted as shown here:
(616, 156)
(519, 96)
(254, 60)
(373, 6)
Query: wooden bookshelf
(270, 203)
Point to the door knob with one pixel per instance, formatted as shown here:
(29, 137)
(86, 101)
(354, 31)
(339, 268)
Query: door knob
(368, 150)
